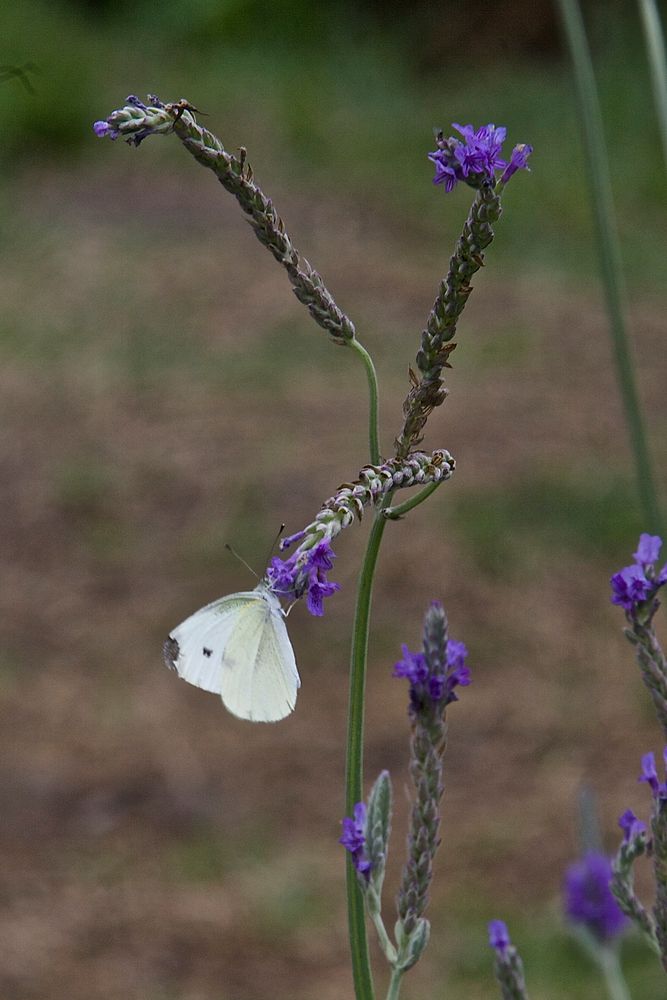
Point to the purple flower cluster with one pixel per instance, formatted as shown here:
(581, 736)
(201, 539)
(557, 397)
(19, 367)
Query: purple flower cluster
(477, 158)
(305, 572)
(650, 775)
(638, 584)
(354, 839)
(589, 900)
(429, 686)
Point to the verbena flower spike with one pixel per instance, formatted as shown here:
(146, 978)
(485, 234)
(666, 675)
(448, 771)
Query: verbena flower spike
(433, 675)
(508, 965)
(635, 588)
(305, 570)
(474, 162)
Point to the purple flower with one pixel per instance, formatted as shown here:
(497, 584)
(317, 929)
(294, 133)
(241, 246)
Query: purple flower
(589, 900)
(317, 591)
(291, 540)
(476, 157)
(631, 826)
(650, 775)
(518, 161)
(305, 572)
(433, 685)
(354, 839)
(648, 550)
(499, 937)
(635, 585)
(103, 128)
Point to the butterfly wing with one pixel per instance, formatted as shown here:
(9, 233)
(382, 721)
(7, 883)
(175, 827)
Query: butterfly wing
(238, 647)
(259, 675)
(195, 648)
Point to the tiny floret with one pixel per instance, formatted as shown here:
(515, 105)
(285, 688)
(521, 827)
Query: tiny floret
(649, 774)
(631, 826)
(589, 900)
(499, 938)
(353, 839)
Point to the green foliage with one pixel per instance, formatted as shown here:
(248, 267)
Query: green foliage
(508, 531)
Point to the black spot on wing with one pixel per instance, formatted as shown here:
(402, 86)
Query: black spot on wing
(171, 652)
(207, 652)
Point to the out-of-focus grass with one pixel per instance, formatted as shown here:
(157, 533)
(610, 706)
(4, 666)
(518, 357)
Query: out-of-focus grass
(510, 532)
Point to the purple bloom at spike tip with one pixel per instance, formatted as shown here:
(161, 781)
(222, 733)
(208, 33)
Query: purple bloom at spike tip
(304, 573)
(476, 157)
(589, 900)
(437, 686)
(103, 128)
(634, 586)
(631, 826)
(499, 937)
(353, 839)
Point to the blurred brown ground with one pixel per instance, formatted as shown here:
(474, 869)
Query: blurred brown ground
(152, 845)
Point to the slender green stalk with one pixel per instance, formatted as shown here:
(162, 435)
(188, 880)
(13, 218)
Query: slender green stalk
(395, 984)
(655, 45)
(610, 255)
(617, 988)
(361, 968)
(373, 415)
(394, 513)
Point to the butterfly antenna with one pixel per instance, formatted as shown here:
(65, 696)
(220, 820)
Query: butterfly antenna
(241, 559)
(274, 543)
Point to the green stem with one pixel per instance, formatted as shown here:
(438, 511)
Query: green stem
(610, 254)
(394, 984)
(617, 988)
(394, 513)
(655, 44)
(373, 436)
(361, 968)
(386, 945)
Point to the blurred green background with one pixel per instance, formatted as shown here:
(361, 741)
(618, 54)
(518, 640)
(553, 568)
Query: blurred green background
(163, 393)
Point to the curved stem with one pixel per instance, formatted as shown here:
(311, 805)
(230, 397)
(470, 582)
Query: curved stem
(373, 436)
(394, 513)
(361, 968)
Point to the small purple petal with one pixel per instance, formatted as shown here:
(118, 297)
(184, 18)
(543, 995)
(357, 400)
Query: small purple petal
(631, 826)
(103, 128)
(518, 161)
(648, 550)
(649, 774)
(317, 591)
(292, 540)
(499, 938)
(323, 556)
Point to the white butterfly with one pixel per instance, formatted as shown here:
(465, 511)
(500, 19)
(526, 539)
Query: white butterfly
(238, 647)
